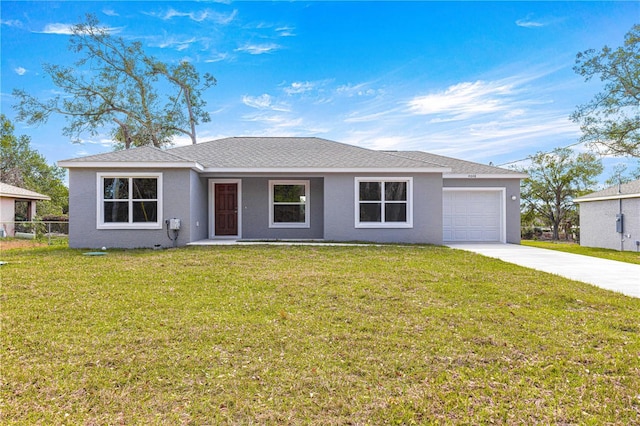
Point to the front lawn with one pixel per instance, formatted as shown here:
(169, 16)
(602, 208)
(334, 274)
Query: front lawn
(309, 335)
(621, 256)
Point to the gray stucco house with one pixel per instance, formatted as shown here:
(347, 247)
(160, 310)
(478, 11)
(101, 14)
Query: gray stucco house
(255, 188)
(611, 218)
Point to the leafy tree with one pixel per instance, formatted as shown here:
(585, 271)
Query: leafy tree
(611, 120)
(115, 84)
(556, 178)
(22, 166)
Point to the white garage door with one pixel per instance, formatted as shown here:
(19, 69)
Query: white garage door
(473, 215)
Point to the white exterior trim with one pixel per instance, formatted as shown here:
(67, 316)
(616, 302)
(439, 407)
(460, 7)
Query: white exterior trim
(100, 224)
(503, 204)
(324, 170)
(212, 209)
(307, 211)
(379, 225)
(606, 198)
(484, 176)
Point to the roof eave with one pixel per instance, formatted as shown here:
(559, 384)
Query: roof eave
(25, 197)
(485, 176)
(130, 165)
(277, 170)
(606, 198)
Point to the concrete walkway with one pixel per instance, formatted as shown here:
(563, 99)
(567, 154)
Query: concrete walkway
(608, 274)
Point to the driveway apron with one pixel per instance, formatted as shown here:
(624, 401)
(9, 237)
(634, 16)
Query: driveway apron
(608, 274)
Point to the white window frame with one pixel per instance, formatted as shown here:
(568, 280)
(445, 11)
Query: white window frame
(100, 177)
(407, 224)
(307, 204)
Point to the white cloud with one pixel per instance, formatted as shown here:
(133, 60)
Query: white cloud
(218, 57)
(258, 49)
(285, 31)
(110, 12)
(264, 101)
(260, 102)
(361, 89)
(526, 23)
(197, 16)
(174, 43)
(298, 87)
(464, 100)
(67, 29)
(20, 71)
(57, 28)
(11, 23)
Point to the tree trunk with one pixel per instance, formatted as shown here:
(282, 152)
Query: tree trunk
(125, 133)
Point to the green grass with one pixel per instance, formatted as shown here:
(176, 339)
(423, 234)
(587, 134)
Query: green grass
(621, 256)
(309, 335)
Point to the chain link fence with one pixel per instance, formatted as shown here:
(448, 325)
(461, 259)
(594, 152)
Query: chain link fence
(48, 230)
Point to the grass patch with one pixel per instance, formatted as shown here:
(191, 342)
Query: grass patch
(309, 335)
(621, 256)
(10, 243)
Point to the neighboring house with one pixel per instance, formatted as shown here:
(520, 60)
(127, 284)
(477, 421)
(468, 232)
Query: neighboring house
(16, 205)
(255, 188)
(611, 218)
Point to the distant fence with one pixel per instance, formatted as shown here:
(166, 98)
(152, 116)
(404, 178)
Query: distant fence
(35, 229)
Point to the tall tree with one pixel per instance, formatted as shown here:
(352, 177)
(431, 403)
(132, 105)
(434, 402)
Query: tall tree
(611, 120)
(114, 84)
(22, 166)
(555, 179)
(621, 174)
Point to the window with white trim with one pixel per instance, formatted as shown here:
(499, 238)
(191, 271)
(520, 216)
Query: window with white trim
(288, 203)
(131, 201)
(384, 203)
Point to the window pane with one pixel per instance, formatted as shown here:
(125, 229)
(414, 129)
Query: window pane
(370, 191)
(289, 214)
(145, 188)
(116, 188)
(395, 191)
(370, 212)
(145, 211)
(395, 212)
(116, 211)
(288, 194)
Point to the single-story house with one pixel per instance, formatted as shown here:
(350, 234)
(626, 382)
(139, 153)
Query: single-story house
(611, 218)
(25, 200)
(286, 188)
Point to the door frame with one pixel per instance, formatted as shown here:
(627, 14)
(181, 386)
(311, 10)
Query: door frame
(503, 204)
(212, 208)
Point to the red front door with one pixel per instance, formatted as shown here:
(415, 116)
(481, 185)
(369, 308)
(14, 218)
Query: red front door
(226, 209)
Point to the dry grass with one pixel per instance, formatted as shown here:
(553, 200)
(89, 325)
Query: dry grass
(310, 335)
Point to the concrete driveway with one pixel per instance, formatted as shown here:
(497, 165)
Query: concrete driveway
(608, 274)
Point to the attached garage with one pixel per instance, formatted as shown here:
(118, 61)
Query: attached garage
(473, 215)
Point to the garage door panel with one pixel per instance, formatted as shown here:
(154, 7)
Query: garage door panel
(481, 221)
(472, 215)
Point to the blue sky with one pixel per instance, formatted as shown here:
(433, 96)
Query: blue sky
(481, 81)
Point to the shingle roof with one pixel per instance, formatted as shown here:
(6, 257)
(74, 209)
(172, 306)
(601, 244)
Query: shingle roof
(11, 191)
(626, 190)
(458, 167)
(288, 153)
(134, 155)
